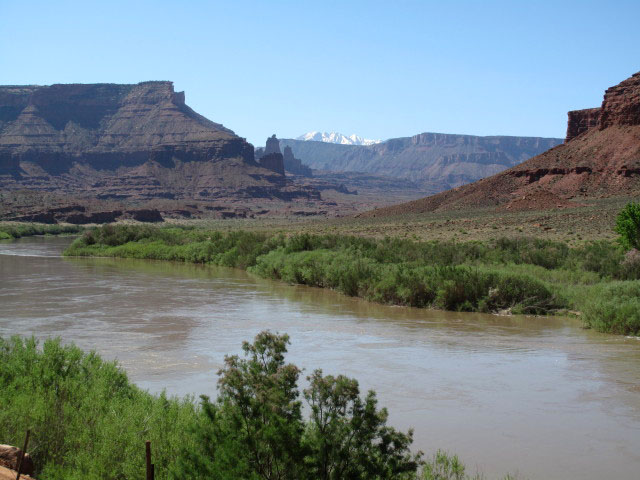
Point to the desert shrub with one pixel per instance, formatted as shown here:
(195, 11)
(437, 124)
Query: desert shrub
(602, 257)
(444, 467)
(401, 285)
(87, 419)
(614, 308)
(521, 294)
(460, 288)
(630, 266)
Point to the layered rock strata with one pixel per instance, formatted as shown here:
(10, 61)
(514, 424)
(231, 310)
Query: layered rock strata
(433, 159)
(125, 142)
(621, 106)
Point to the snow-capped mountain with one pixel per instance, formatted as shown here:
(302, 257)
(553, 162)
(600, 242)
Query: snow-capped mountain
(335, 137)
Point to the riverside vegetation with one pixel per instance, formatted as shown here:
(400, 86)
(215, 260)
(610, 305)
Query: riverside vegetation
(10, 231)
(598, 279)
(88, 421)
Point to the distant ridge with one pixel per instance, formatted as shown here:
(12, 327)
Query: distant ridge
(335, 137)
(440, 161)
(600, 158)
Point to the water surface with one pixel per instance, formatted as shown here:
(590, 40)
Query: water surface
(540, 396)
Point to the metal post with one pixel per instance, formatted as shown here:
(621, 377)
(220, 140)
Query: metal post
(149, 466)
(22, 454)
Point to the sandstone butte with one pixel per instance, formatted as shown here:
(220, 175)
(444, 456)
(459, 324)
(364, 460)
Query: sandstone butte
(136, 142)
(600, 158)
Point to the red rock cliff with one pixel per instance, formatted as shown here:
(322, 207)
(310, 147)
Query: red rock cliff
(621, 106)
(108, 126)
(581, 120)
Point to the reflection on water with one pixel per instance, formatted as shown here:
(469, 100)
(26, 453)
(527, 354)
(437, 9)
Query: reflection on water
(538, 395)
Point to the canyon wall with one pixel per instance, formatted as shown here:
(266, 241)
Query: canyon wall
(125, 141)
(437, 160)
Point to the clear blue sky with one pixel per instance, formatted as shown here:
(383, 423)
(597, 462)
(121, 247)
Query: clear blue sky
(380, 69)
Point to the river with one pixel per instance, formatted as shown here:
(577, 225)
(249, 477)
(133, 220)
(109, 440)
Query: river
(538, 396)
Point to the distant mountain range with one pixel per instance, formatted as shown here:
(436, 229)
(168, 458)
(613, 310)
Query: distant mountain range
(335, 137)
(436, 160)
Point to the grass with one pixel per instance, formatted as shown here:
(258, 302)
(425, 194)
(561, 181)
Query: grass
(518, 275)
(11, 230)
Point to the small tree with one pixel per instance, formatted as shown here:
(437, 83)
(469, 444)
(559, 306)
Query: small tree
(255, 429)
(628, 226)
(348, 436)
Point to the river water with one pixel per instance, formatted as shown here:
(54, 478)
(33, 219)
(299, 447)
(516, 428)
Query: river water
(537, 396)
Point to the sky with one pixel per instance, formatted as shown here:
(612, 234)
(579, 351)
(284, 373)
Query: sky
(380, 69)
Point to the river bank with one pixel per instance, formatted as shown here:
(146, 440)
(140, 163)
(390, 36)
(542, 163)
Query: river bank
(12, 230)
(522, 275)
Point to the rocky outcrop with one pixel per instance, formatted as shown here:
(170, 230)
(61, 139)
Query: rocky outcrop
(9, 474)
(274, 162)
(580, 121)
(147, 215)
(295, 165)
(10, 456)
(272, 146)
(601, 158)
(271, 157)
(112, 141)
(79, 216)
(620, 106)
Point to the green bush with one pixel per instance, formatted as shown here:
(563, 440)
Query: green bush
(628, 226)
(614, 308)
(18, 230)
(87, 420)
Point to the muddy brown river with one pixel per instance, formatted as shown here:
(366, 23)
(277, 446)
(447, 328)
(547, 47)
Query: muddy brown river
(537, 396)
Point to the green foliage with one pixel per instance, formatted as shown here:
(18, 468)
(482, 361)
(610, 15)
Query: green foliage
(18, 230)
(614, 307)
(444, 467)
(347, 436)
(628, 226)
(523, 275)
(87, 420)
